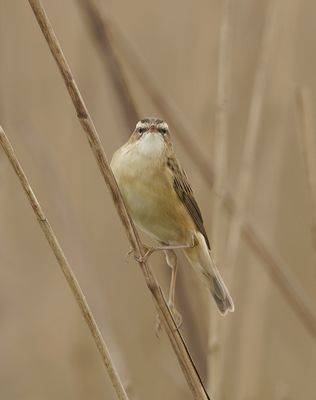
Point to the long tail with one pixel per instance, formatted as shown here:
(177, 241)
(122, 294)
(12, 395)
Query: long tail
(200, 258)
(219, 290)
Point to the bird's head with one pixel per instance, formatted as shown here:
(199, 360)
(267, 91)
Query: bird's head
(151, 136)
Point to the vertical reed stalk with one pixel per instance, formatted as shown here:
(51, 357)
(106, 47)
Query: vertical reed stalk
(307, 138)
(220, 172)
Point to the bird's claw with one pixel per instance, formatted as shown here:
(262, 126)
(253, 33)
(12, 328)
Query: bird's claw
(148, 252)
(143, 258)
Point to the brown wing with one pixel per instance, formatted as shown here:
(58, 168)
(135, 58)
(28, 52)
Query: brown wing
(185, 194)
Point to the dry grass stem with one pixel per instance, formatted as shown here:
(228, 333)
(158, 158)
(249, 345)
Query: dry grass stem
(307, 138)
(98, 27)
(66, 269)
(278, 270)
(166, 317)
(220, 168)
(287, 284)
(252, 133)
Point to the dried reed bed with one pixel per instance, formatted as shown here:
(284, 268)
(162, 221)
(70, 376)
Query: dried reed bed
(285, 277)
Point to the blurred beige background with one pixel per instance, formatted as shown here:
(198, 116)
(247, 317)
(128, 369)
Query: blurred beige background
(263, 350)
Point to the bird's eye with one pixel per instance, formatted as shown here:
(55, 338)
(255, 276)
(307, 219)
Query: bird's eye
(141, 130)
(163, 131)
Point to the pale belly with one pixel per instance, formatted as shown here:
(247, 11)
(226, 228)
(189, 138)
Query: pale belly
(156, 208)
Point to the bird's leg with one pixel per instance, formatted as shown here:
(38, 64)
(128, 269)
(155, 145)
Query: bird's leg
(171, 259)
(166, 247)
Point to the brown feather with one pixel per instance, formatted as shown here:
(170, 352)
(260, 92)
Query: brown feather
(184, 191)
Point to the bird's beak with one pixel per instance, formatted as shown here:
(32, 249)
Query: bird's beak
(152, 128)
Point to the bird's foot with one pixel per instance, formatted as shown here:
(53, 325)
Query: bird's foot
(148, 251)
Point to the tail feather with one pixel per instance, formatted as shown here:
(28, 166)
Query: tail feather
(220, 294)
(200, 258)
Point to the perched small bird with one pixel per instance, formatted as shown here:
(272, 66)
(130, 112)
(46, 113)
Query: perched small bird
(160, 200)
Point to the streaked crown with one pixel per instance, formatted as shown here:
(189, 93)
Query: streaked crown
(152, 124)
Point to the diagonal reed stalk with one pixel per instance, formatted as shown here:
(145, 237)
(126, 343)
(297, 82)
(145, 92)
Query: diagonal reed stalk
(177, 342)
(291, 290)
(109, 58)
(280, 274)
(307, 138)
(66, 269)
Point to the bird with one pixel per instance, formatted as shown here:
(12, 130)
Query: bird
(160, 200)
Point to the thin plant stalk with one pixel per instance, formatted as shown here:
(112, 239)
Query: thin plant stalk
(244, 178)
(307, 138)
(220, 171)
(291, 290)
(168, 322)
(278, 270)
(109, 58)
(66, 268)
(245, 173)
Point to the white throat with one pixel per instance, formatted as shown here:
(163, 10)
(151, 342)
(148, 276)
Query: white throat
(151, 145)
(133, 159)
